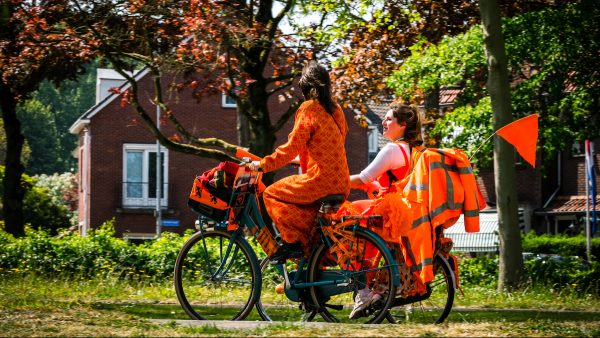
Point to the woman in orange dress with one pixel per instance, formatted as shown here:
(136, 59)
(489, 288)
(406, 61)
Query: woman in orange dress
(318, 139)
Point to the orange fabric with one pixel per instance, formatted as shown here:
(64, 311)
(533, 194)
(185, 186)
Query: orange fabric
(440, 187)
(399, 173)
(522, 134)
(319, 138)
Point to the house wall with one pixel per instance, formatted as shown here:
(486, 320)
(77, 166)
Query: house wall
(574, 172)
(115, 125)
(528, 186)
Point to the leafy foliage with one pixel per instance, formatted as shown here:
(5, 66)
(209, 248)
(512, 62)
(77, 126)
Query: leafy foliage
(559, 245)
(552, 72)
(376, 36)
(550, 261)
(101, 254)
(62, 190)
(41, 210)
(211, 47)
(47, 130)
(25, 154)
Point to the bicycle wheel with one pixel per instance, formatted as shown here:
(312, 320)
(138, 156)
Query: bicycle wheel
(273, 306)
(358, 261)
(217, 277)
(436, 307)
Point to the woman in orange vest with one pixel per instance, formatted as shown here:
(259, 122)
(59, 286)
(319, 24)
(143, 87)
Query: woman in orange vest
(402, 126)
(318, 139)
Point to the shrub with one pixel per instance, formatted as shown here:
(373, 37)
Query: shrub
(100, 253)
(39, 209)
(561, 245)
(62, 190)
(481, 270)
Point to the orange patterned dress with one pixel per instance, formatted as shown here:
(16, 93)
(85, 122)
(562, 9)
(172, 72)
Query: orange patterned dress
(318, 137)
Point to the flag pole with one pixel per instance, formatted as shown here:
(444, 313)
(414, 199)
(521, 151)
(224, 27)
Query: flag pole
(482, 144)
(588, 177)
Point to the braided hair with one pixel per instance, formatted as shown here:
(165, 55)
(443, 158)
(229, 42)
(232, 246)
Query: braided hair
(316, 84)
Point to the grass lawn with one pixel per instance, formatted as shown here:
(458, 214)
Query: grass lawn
(37, 306)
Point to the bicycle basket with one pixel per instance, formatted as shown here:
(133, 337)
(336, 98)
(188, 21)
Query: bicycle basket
(211, 191)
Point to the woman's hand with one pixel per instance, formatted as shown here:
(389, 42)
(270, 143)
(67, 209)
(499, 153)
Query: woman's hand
(254, 165)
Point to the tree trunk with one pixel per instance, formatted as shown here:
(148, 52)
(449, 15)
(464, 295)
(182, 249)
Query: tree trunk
(12, 197)
(511, 259)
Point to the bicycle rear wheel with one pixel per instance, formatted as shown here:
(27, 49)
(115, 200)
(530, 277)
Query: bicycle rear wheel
(358, 262)
(217, 276)
(437, 306)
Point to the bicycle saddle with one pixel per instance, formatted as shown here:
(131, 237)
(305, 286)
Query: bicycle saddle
(331, 201)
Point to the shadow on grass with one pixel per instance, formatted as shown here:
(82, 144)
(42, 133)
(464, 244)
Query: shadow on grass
(172, 311)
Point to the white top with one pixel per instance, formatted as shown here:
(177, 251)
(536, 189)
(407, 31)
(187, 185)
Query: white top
(389, 158)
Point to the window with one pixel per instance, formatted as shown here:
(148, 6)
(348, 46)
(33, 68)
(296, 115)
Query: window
(227, 101)
(577, 149)
(139, 175)
(373, 141)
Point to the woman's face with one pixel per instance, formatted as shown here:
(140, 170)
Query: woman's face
(391, 129)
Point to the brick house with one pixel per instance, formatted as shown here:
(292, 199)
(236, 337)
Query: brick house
(117, 158)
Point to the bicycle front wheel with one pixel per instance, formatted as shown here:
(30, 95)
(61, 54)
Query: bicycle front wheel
(217, 276)
(357, 264)
(435, 307)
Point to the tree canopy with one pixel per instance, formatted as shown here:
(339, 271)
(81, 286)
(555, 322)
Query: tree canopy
(376, 36)
(553, 68)
(236, 47)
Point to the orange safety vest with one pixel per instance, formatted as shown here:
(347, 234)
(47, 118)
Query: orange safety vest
(439, 188)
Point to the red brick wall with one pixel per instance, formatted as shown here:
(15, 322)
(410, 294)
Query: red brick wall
(115, 125)
(528, 186)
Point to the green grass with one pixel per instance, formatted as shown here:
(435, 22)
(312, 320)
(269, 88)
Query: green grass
(37, 306)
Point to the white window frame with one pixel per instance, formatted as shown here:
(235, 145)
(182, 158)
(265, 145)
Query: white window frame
(145, 201)
(225, 104)
(372, 142)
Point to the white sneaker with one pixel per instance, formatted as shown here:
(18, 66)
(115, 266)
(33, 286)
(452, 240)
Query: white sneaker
(364, 298)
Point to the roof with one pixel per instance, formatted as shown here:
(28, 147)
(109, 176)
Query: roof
(448, 95)
(486, 240)
(376, 111)
(569, 205)
(84, 119)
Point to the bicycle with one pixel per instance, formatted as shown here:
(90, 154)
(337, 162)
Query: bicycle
(218, 274)
(212, 282)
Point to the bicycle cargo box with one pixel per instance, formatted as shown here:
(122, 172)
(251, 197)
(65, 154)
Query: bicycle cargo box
(203, 201)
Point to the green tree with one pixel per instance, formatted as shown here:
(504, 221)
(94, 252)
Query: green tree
(35, 44)
(39, 129)
(25, 154)
(67, 102)
(235, 47)
(552, 72)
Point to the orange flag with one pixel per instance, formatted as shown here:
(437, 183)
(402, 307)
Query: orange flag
(522, 134)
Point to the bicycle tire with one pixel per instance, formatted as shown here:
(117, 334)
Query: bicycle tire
(280, 307)
(379, 271)
(212, 282)
(437, 306)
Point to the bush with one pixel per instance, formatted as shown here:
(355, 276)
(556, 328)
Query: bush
(62, 190)
(478, 271)
(100, 253)
(39, 209)
(559, 245)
